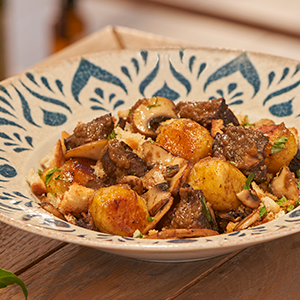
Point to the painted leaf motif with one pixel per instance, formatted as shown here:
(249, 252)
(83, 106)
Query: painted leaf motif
(85, 71)
(241, 64)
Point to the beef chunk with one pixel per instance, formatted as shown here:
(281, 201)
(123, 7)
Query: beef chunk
(97, 129)
(244, 147)
(190, 212)
(204, 112)
(119, 160)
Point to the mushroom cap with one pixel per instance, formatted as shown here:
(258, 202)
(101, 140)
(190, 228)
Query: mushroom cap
(148, 113)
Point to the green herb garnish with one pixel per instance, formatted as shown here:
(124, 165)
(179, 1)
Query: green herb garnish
(61, 179)
(281, 201)
(154, 105)
(40, 172)
(8, 278)
(245, 123)
(50, 173)
(151, 141)
(298, 183)
(278, 144)
(140, 236)
(233, 163)
(263, 211)
(298, 173)
(129, 112)
(112, 136)
(248, 181)
(150, 219)
(289, 208)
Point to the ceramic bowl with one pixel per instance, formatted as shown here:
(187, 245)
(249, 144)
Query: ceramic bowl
(37, 105)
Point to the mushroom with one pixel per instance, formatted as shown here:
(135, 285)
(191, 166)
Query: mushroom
(182, 233)
(147, 114)
(156, 197)
(134, 182)
(249, 198)
(156, 154)
(284, 184)
(92, 150)
(52, 210)
(248, 221)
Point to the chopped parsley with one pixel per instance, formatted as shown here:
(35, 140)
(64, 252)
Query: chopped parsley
(129, 112)
(279, 144)
(289, 208)
(61, 179)
(281, 201)
(154, 105)
(112, 136)
(263, 211)
(150, 219)
(248, 181)
(50, 173)
(140, 236)
(245, 123)
(151, 141)
(233, 163)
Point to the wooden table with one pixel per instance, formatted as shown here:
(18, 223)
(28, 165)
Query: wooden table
(55, 270)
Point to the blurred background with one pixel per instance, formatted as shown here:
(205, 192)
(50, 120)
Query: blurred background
(31, 30)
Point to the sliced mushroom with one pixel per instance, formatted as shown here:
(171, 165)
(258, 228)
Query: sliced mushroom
(156, 197)
(154, 176)
(52, 210)
(182, 233)
(248, 198)
(180, 178)
(160, 213)
(134, 182)
(156, 154)
(248, 221)
(147, 114)
(284, 184)
(90, 150)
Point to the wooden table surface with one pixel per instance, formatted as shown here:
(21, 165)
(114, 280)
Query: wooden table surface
(55, 270)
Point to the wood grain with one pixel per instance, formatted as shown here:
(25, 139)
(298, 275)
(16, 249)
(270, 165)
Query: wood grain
(266, 271)
(20, 249)
(76, 272)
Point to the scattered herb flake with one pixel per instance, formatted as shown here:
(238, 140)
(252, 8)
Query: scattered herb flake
(289, 208)
(248, 181)
(150, 219)
(279, 144)
(298, 183)
(233, 163)
(50, 173)
(298, 173)
(112, 136)
(151, 141)
(246, 123)
(140, 236)
(129, 112)
(154, 105)
(281, 201)
(8, 278)
(61, 179)
(40, 172)
(263, 211)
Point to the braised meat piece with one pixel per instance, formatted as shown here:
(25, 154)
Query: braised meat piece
(244, 147)
(119, 160)
(191, 212)
(97, 129)
(204, 112)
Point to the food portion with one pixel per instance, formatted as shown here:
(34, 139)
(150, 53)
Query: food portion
(165, 171)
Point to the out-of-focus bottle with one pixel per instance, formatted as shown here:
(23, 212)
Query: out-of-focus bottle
(69, 26)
